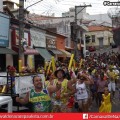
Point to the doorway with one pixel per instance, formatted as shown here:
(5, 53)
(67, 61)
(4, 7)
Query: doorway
(2, 62)
(100, 42)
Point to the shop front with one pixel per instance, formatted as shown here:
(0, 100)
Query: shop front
(5, 49)
(61, 47)
(26, 47)
(38, 41)
(51, 46)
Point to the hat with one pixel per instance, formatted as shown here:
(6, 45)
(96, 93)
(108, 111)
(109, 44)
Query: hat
(56, 72)
(82, 78)
(12, 69)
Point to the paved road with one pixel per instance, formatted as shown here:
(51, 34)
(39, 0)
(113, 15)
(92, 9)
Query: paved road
(115, 105)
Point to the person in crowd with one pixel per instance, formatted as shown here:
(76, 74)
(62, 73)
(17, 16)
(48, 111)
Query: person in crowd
(101, 84)
(112, 77)
(106, 103)
(81, 92)
(39, 97)
(49, 79)
(94, 87)
(67, 74)
(61, 97)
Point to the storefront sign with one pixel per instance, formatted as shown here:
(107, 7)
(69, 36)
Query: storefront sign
(51, 43)
(4, 30)
(37, 38)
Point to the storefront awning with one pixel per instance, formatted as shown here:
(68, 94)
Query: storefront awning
(7, 51)
(31, 51)
(44, 53)
(65, 53)
(56, 52)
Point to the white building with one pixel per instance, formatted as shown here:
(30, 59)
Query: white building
(1, 5)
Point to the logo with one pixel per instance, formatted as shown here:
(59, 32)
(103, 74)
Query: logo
(85, 116)
(108, 3)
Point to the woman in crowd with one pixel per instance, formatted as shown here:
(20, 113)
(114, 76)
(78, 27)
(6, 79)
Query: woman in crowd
(81, 92)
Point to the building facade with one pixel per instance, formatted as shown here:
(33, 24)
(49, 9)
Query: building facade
(1, 5)
(100, 37)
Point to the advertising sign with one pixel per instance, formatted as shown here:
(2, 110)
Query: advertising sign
(51, 43)
(4, 30)
(38, 38)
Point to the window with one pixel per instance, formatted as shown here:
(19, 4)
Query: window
(93, 38)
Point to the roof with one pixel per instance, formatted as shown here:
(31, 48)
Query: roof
(38, 17)
(98, 28)
(54, 33)
(8, 1)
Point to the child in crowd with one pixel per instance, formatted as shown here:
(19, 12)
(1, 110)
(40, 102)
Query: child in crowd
(106, 105)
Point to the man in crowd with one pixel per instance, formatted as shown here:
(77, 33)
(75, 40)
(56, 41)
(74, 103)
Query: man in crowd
(39, 97)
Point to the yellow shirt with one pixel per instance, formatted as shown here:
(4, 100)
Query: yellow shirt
(112, 75)
(63, 90)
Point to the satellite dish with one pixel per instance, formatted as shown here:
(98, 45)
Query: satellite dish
(113, 12)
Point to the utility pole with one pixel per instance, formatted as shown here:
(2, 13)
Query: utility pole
(22, 25)
(76, 30)
(21, 29)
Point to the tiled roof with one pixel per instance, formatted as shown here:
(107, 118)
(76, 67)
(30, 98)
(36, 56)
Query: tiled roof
(98, 28)
(40, 17)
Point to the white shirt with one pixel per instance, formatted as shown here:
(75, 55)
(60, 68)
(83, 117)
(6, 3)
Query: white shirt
(81, 91)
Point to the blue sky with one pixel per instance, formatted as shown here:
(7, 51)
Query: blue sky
(47, 7)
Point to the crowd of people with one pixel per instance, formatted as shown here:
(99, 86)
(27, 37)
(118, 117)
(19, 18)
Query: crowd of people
(95, 80)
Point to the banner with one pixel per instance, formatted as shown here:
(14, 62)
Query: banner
(3, 80)
(48, 69)
(20, 65)
(24, 84)
(53, 64)
(71, 61)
